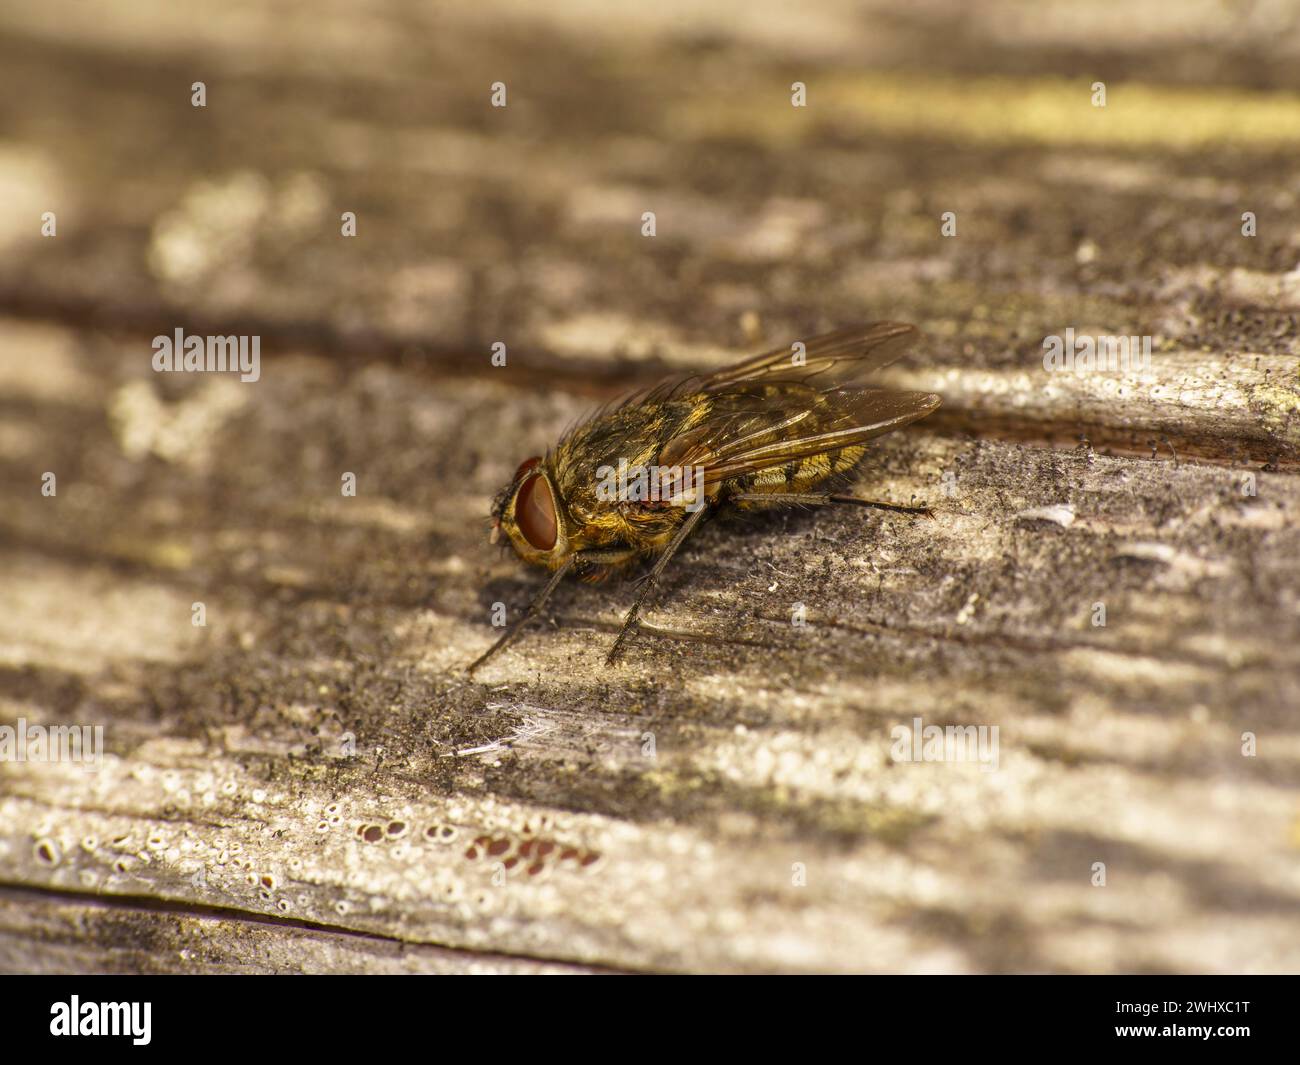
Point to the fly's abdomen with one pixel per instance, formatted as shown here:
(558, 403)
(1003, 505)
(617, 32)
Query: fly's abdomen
(806, 475)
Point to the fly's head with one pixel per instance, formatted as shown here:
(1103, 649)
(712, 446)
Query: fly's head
(530, 513)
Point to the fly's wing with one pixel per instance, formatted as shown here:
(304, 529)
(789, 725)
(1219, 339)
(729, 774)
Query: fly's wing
(826, 360)
(756, 428)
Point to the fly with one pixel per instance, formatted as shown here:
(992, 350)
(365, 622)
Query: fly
(631, 483)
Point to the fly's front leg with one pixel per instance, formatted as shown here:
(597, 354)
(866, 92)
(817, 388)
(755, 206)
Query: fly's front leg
(534, 608)
(818, 499)
(613, 558)
(647, 586)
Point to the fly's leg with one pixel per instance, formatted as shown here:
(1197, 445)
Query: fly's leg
(603, 564)
(647, 586)
(613, 557)
(534, 608)
(821, 499)
(897, 508)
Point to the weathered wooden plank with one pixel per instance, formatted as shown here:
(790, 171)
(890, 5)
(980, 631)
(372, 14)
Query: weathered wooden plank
(752, 236)
(308, 782)
(330, 616)
(71, 934)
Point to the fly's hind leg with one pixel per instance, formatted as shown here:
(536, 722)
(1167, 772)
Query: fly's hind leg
(652, 578)
(821, 499)
(896, 508)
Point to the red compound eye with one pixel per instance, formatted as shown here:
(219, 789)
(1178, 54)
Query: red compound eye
(535, 512)
(526, 465)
